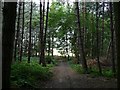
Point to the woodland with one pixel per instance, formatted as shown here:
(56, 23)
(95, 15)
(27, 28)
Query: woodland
(60, 44)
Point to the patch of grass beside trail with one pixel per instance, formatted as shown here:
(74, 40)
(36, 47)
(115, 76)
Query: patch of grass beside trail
(107, 72)
(29, 75)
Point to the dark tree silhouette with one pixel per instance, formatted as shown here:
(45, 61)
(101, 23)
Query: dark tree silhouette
(44, 46)
(102, 35)
(42, 56)
(81, 49)
(112, 38)
(9, 17)
(40, 34)
(117, 30)
(97, 37)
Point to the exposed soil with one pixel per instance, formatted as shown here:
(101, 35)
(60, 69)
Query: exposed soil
(66, 77)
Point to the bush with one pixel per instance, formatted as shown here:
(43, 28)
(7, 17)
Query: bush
(29, 74)
(106, 72)
(50, 59)
(76, 67)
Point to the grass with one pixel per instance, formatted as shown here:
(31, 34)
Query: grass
(106, 72)
(24, 75)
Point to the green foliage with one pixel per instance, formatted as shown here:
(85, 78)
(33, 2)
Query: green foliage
(29, 74)
(76, 67)
(106, 72)
(50, 59)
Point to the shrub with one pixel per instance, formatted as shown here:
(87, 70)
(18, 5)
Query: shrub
(106, 72)
(50, 59)
(29, 74)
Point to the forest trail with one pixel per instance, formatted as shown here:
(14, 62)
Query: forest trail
(66, 77)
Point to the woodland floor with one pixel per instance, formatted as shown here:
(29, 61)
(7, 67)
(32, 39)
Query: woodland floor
(66, 77)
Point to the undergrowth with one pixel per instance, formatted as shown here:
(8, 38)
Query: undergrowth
(106, 72)
(29, 75)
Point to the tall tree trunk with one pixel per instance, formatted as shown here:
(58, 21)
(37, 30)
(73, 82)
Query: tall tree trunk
(18, 30)
(8, 33)
(102, 36)
(77, 48)
(42, 37)
(84, 27)
(49, 44)
(52, 43)
(21, 51)
(117, 30)
(44, 45)
(92, 42)
(30, 27)
(112, 38)
(81, 49)
(40, 34)
(1, 3)
(97, 34)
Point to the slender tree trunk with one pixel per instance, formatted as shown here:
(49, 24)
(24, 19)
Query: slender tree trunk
(108, 50)
(84, 27)
(21, 51)
(52, 43)
(49, 44)
(77, 48)
(42, 38)
(102, 36)
(44, 45)
(117, 30)
(92, 42)
(40, 34)
(112, 38)
(97, 34)
(8, 33)
(81, 49)
(30, 27)
(1, 18)
(18, 30)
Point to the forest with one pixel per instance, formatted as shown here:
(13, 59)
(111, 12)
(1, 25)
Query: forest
(60, 44)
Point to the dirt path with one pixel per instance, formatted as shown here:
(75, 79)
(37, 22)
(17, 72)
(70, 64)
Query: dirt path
(65, 77)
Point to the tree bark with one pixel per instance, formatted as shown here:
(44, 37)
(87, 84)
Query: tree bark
(112, 38)
(97, 33)
(42, 37)
(40, 34)
(52, 43)
(18, 30)
(30, 27)
(44, 46)
(81, 49)
(21, 51)
(117, 30)
(9, 17)
(102, 36)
